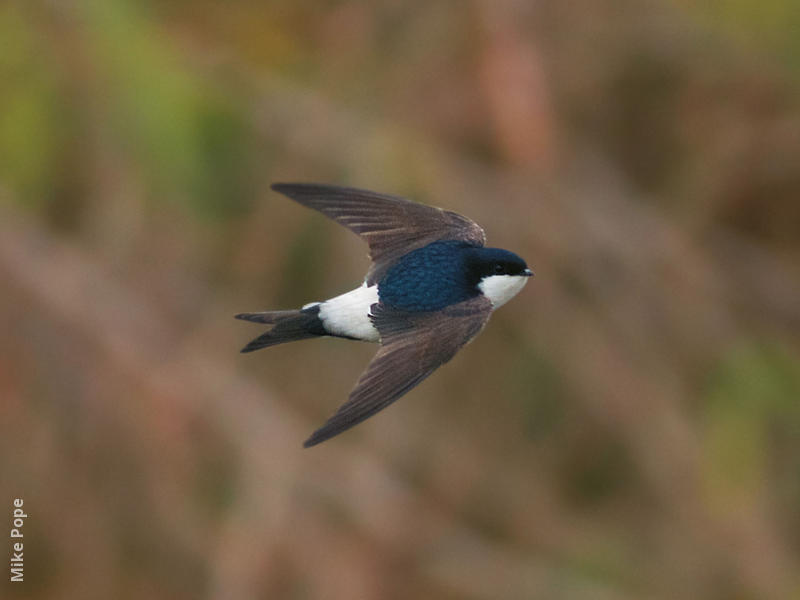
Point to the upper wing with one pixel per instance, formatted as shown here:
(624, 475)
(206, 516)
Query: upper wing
(391, 225)
(413, 345)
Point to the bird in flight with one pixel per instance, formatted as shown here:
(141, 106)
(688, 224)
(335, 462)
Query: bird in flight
(430, 289)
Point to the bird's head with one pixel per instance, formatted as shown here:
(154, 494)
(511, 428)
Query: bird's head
(498, 274)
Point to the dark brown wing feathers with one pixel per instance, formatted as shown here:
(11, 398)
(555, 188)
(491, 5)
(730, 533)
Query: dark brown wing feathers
(413, 345)
(392, 226)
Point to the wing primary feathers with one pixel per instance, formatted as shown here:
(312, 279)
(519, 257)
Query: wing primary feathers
(413, 345)
(391, 225)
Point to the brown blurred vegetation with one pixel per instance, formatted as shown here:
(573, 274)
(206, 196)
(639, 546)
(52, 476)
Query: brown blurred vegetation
(628, 427)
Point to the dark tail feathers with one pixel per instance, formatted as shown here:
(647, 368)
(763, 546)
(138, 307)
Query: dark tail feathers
(289, 326)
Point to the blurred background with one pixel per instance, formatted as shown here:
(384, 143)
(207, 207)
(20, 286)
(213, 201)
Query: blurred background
(628, 427)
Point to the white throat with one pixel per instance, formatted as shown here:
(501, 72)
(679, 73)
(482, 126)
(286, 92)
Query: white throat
(499, 289)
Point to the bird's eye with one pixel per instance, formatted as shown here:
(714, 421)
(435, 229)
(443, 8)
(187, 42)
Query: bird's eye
(499, 269)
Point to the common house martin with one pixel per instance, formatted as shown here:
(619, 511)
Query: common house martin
(429, 290)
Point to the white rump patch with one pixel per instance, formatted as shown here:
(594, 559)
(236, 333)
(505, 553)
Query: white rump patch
(348, 314)
(499, 289)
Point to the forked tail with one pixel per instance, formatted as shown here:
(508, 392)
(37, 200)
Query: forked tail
(288, 326)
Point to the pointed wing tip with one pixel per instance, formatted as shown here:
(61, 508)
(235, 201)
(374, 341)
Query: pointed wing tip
(329, 430)
(290, 190)
(317, 437)
(287, 188)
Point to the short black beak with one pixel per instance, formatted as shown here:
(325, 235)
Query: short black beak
(527, 273)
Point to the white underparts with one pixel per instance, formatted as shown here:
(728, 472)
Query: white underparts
(348, 314)
(499, 289)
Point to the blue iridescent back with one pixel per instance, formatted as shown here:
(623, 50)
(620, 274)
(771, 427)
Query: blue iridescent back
(430, 278)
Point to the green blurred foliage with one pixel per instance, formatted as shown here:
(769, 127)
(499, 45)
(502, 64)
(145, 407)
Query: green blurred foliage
(752, 410)
(769, 25)
(30, 128)
(191, 141)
